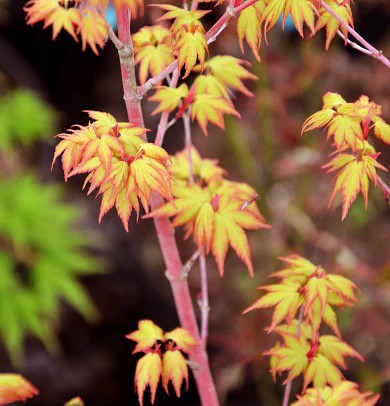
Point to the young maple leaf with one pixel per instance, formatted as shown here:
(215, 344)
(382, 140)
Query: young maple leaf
(341, 118)
(153, 50)
(175, 370)
(182, 338)
(169, 98)
(191, 46)
(345, 393)
(206, 107)
(343, 9)
(182, 18)
(286, 297)
(209, 84)
(77, 401)
(355, 171)
(312, 359)
(249, 27)
(148, 373)
(229, 71)
(215, 219)
(15, 388)
(51, 12)
(301, 11)
(146, 336)
(204, 170)
(93, 29)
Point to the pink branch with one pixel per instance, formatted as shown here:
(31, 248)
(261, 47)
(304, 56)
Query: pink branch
(375, 53)
(204, 300)
(385, 188)
(164, 229)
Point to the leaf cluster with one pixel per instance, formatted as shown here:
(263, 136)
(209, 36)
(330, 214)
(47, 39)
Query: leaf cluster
(163, 358)
(355, 159)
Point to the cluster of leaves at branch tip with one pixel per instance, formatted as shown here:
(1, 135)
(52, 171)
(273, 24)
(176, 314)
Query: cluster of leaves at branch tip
(349, 126)
(308, 289)
(187, 39)
(164, 358)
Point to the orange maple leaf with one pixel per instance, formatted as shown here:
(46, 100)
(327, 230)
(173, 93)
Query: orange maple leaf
(15, 388)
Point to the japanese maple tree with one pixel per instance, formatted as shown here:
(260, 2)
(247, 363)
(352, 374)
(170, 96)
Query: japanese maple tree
(175, 60)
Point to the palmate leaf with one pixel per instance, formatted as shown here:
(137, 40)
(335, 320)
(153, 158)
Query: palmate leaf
(153, 50)
(311, 358)
(15, 388)
(30, 306)
(207, 108)
(146, 336)
(169, 97)
(230, 72)
(249, 27)
(191, 47)
(175, 370)
(215, 219)
(148, 373)
(285, 297)
(83, 19)
(343, 9)
(344, 393)
(355, 173)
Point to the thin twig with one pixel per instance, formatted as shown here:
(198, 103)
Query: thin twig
(188, 144)
(287, 389)
(163, 124)
(354, 45)
(385, 188)
(186, 269)
(115, 40)
(204, 300)
(375, 53)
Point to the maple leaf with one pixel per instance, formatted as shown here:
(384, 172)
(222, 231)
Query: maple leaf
(382, 130)
(230, 72)
(343, 9)
(148, 373)
(209, 84)
(206, 107)
(53, 13)
(345, 393)
(286, 298)
(146, 336)
(191, 46)
(175, 370)
(249, 28)
(182, 338)
(153, 50)
(204, 170)
(301, 11)
(182, 18)
(77, 401)
(93, 29)
(213, 215)
(341, 118)
(169, 97)
(354, 174)
(15, 388)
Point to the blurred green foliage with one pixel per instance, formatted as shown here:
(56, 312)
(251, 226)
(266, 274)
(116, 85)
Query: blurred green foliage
(41, 253)
(24, 118)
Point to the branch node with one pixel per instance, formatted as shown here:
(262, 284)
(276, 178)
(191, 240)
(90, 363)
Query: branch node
(231, 11)
(193, 365)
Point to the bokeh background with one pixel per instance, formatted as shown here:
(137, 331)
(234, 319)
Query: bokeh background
(80, 287)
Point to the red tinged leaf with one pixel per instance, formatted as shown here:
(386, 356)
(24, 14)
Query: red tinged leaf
(15, 388)
(148, 373)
